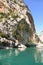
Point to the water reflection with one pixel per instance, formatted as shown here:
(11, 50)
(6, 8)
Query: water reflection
(7, 53)
(21, 56)
(38, 55)
(10, 56)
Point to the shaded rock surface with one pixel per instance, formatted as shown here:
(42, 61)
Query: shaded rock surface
(16, 24)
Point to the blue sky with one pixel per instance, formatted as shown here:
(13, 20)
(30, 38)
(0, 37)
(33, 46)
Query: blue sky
(36, 7)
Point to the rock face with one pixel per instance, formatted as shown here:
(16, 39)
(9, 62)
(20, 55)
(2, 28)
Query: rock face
(16, 23)
(41, 36)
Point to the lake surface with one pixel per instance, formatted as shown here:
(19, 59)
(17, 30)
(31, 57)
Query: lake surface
(30, 56)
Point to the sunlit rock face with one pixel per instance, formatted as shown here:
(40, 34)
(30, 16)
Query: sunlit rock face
(41, 36)
(16, 23)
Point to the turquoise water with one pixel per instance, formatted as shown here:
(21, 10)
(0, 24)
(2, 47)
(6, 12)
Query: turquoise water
(30, 56)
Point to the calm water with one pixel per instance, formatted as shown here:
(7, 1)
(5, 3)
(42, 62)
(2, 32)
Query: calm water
(30, 56)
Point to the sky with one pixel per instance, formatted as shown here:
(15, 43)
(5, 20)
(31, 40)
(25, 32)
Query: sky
(36, 7)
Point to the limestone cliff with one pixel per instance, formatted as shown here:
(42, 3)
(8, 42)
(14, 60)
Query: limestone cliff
(41, 36)
(16, 23)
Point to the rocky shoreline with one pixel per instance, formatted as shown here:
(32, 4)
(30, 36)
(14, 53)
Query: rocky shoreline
(5, 43)
(8, 43)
